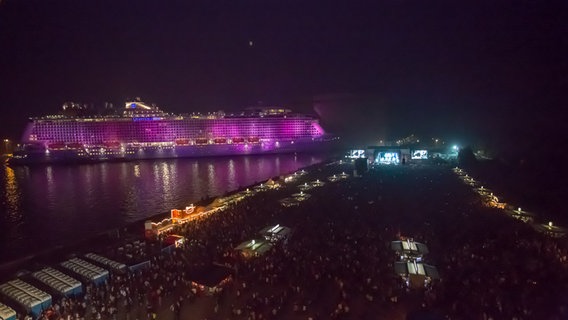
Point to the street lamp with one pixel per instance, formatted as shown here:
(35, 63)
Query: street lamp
(6, 146)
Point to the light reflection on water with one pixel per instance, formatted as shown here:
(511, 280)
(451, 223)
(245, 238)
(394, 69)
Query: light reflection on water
(53, 204)
(11, 196)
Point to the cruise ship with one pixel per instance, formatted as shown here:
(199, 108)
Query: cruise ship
(143, 131)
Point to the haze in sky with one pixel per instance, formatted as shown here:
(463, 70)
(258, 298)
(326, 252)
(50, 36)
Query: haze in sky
(490, 70)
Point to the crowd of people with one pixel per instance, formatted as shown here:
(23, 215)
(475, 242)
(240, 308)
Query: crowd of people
(338, 263)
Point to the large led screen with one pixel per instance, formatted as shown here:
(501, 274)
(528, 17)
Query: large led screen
(419, 154)
(356, 154)
(388, 158)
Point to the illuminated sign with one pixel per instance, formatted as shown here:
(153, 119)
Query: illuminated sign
(419, 154)
(388, 158)
(355, 154)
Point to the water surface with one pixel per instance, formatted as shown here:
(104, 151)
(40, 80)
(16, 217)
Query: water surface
(44, 206)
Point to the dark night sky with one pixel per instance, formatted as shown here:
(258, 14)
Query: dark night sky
(493, 70)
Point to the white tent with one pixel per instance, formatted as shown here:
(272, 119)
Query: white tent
(254, 247)
(410, 248)
(275, 233)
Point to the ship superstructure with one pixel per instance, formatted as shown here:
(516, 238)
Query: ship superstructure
(144, 131)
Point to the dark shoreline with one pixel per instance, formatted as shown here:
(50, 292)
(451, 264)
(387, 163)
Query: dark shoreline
(510, 185)
(80, 162)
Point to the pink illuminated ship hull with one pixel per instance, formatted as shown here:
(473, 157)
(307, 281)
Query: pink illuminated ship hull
(143, 132)
(191, 151)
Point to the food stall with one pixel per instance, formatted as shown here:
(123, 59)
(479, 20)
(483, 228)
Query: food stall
(301, 196)
(175, 240)
(416, 274)
(171, 242)
(408, 249)
(183, 215)
(550, 229)
(305, 186)
(317, 183)
(289, 202)
(253, 248)
(153, 229)
(519, 214)
(276, 233)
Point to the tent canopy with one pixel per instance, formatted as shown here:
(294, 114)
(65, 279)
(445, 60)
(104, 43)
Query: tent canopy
(254, 246)
(410, 247)
(400, 268)
(275, 231)
(419, 269)
(431, 271)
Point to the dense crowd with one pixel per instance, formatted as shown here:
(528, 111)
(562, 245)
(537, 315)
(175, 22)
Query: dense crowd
(338, 263)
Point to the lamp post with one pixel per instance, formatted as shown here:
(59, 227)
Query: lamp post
(6, 146)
